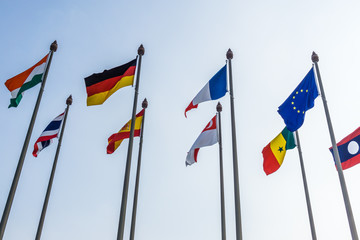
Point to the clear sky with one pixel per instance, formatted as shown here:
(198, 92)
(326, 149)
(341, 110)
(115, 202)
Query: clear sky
(185, 45)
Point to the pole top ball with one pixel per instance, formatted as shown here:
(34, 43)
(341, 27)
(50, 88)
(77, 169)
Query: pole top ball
(219, 107)
(54, 46)
(145, 103)
(229, 54)
(141, 50)
(69, 100)
(314, 57)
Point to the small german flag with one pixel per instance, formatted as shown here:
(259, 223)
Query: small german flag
(100, 86)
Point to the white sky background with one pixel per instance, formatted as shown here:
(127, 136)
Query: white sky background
(185, 45)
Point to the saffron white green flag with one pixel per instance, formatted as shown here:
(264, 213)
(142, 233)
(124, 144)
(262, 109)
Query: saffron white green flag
(25, 80)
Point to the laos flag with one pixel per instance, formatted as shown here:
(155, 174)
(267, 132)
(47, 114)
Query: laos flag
(349, 150)
(214, 89)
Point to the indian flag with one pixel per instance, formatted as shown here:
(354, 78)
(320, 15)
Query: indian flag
(25, 80)
(274, 152)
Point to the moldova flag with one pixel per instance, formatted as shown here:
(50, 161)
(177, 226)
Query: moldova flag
(100, 86)
(349, 150)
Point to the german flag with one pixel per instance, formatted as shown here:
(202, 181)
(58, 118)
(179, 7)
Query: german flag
(116, 139)
(100, 86)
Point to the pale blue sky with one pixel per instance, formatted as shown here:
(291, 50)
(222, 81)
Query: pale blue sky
(185, 45)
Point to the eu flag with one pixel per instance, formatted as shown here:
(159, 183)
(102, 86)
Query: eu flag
(301, 99)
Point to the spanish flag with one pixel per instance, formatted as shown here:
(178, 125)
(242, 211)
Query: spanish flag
(116, 139)
(274, 152)
(25, 80)
(100, 86)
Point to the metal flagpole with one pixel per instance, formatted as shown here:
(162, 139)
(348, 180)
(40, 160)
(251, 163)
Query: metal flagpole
(120, 233)
(307, 196)
(223, 225)
(133, 218)
(229, 56)
(14, 184)
(48, 191)
(315, 59)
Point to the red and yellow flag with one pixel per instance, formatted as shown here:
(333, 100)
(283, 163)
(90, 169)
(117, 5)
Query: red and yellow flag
(116, 139)
(274, 152)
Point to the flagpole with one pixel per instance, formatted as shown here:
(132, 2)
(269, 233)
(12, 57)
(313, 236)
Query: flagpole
(14, 184)
(315, 59)
(133, 218)
(229, 56)
(120, 234)
(223, 223)
(48, 191)
(307, 196)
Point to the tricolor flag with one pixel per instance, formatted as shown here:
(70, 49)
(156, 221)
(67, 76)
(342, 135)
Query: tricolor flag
(116, 139)
(25, 80)
(100, 86)
(207, 137)
(274, 152)
(50, 132)
(349, 150)
(214, 89)
(301, 99)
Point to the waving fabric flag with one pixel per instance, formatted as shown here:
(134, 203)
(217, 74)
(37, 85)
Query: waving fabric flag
(25, 80)
(207, 137)
(214, 89)
(50, 132)
(349, 150)
(301, 99)
(100, 86)
(116, 139)
(274, 152)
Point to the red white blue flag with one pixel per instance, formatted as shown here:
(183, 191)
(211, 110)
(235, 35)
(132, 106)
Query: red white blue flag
(214, 89)
(207, 137)
(349, 149)
(50, 132)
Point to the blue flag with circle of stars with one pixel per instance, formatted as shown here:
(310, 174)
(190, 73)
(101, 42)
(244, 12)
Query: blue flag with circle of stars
(301, 99)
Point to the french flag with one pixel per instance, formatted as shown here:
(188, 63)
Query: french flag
(50, 132)
(207, 137)
(214, 89)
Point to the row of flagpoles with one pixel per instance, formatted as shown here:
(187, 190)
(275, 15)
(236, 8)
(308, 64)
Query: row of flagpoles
(100, 86)
(293, 113)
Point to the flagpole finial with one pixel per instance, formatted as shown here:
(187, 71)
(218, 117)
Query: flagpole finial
(229, 54)
(314, 57)
(145, 103)
(54, 46)
(141, 50)
(69, 100)
(219, 107)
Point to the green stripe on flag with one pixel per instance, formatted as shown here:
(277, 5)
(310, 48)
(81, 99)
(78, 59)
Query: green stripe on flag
(14, 102)
(289, 138)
